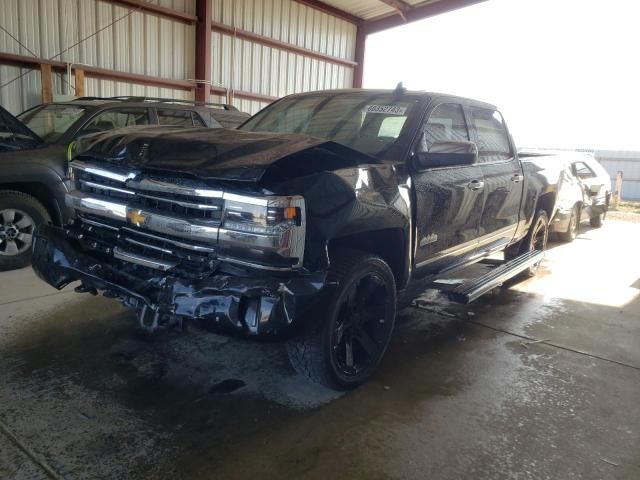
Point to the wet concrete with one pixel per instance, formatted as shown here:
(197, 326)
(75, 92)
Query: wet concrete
(538, 381)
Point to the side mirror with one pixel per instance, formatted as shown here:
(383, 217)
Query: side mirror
(447, 154)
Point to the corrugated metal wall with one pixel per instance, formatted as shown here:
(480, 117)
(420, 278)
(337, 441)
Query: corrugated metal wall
(244, 65)
(626, 162)
(138, 43)
(148, 44)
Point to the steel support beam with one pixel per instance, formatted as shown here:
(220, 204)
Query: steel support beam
(333, 11)
(272, 42)
(26, 61)
(418, 13)
(96, 72)
(149, 7)
(257, 97)
(358, 71)
(203, 50)
(399, 6)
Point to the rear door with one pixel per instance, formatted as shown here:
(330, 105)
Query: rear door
(449, 200)
(503, 179)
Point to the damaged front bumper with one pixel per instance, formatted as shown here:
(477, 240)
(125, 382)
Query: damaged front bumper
(256, 305)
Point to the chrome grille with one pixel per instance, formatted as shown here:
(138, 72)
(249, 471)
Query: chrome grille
(166, 223)
(180, 212)
(177, 203)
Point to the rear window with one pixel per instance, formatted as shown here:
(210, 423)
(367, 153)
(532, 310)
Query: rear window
(582, 170)
(117, 118)
(491, 132)
(180, 118)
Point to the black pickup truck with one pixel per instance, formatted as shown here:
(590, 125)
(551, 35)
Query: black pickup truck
(305, 224)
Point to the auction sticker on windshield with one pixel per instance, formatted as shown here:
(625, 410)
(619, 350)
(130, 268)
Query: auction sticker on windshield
(388, 109)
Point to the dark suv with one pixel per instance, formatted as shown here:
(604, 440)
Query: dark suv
(35, 146)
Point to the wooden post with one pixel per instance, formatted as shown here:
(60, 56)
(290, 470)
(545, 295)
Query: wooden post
(617, 192)
(79, 76)
(46, 82)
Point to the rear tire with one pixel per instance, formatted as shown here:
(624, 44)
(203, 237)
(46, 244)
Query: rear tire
(345, 346)
(596, 221)
(20, 215)
(536, 239)
(573, 227)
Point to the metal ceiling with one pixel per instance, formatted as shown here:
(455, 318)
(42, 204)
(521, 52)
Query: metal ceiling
(369, 10)
(363, 9)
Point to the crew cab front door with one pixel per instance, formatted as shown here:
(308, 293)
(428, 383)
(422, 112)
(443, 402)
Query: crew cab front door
(503, 179)
(449, 199)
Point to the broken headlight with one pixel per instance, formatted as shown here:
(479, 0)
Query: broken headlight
(267, 232)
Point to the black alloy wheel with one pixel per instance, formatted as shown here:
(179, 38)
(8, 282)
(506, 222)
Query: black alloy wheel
(360, 331)
(349, 337)
(536, 239)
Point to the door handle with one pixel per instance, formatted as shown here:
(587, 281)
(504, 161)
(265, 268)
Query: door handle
(517, 178)
(475, 185)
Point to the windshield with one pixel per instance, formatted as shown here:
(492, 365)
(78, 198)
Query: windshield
(50, 122)
(368, 122)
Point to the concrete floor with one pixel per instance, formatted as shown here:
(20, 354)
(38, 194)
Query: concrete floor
(539, 381)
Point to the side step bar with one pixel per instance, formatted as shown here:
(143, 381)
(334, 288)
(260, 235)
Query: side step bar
(468, 292)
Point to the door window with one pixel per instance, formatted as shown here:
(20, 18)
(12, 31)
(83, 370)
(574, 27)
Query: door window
(117, 118)
(446, 124)
(180, 118)
(491, 134)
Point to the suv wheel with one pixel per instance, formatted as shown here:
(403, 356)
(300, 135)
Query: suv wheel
(348, 342)
(596, 221)
(20, 214)
(572, 229)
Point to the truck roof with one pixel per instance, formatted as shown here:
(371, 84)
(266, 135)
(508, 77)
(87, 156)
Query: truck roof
(402, 93)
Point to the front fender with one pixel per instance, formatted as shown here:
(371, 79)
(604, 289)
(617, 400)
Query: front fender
(351, 201)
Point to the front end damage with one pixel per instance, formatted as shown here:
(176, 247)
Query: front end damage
(230, 230)
(265, 305)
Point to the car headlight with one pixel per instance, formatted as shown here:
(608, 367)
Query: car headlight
(267, 232)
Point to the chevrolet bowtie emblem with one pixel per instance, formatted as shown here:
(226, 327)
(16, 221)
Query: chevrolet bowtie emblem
(136, 217)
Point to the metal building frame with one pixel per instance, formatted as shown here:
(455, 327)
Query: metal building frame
(403, 13)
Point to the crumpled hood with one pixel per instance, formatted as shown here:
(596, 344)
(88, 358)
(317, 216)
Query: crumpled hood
(205, 153)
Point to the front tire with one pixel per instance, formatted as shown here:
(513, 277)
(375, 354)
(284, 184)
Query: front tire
(346, 345)
(20, 214)
(596, 221)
